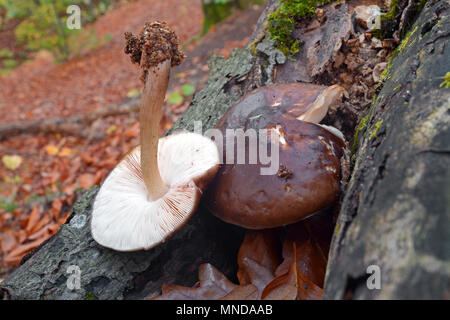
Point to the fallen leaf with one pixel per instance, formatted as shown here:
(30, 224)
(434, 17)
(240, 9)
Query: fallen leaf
(212, 285)
(282, 287)
(179, 75)
(16, 179)
(309, 242)
(307, 290)
(40, 233)
(12, 162)
(56, 208)
(258, 257)
(86, 180)
(4, 217)
(133, 93)
(175, 98)
(111, 129)
(69, 189)
(259, 276)
(51, 150)
(133, 131)
(12, 260)
(187, 89)
(292, 285)
(45, 220)
(16, 255)
(21, 236)
(86, 158)
(248, 292)
(34, 217)
(63, 219)
(65, 152)
(7, 241)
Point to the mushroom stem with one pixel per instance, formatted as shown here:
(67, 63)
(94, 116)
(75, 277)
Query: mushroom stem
(156, 83)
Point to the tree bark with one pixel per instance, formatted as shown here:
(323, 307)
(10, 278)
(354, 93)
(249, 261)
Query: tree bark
(396, 211)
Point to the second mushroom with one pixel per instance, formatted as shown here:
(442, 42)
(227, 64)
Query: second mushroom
(308, 179)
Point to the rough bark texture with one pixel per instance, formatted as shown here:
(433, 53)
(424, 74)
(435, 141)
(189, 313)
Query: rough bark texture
(107, 274)
(396, 211)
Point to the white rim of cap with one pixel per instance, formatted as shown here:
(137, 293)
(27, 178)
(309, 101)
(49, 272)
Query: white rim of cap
(123, 217)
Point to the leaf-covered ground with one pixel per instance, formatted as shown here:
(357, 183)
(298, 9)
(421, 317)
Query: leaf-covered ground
(286, 263)
(40, 174)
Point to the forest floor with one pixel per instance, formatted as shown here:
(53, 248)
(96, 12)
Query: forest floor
(42, 173)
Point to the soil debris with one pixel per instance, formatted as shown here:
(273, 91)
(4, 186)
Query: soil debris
(156, 43)
(284, 172)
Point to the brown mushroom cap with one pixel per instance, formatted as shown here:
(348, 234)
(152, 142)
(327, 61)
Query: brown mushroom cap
(308, 179)
(294, 99)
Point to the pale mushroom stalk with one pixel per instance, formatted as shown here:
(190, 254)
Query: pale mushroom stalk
(154, 92)
(156, 188)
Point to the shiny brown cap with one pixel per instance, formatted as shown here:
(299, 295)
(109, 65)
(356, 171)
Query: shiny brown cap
(307, 180)
(303, 101)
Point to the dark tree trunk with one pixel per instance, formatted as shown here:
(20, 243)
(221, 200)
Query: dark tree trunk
(396, 211)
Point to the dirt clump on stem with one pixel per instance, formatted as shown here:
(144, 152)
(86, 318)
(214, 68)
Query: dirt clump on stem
(155, 43)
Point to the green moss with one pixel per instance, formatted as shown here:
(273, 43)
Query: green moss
(6, 53)
(362, 126)
(446, 82)
(375, 131)
(337, 228)
(386, 72)
(374, 99)
(389, 20)
(405, 41)
(10, 63)
(378, 33)
(90, 296)
(281, 22)
(392, 13)
(385, 75)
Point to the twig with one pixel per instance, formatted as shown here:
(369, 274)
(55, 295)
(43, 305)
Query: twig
(73, 125)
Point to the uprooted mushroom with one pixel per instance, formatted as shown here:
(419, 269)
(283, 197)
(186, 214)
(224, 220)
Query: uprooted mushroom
(157, 186)
(308, 179)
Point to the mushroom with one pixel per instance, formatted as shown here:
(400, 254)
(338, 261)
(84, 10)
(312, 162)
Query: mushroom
(308, 179)
(157, 186)
(303, 101)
